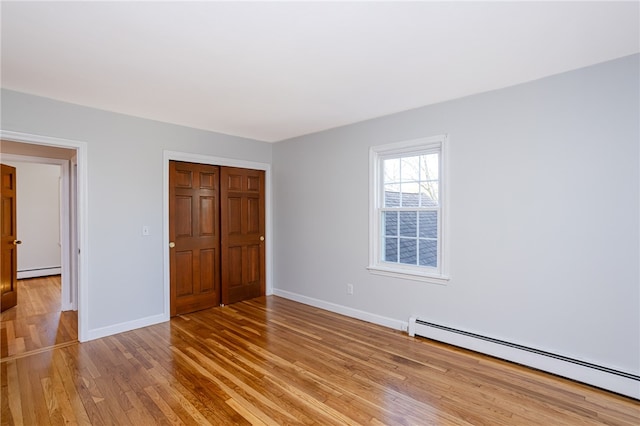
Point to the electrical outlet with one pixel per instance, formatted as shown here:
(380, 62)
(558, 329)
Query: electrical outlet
(349, 288)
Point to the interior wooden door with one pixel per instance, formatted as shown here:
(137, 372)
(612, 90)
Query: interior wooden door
(194, 234)
(242, 216)
(8, 249)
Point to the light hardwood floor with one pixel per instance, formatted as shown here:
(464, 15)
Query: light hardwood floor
(36, 322)
(273, 361)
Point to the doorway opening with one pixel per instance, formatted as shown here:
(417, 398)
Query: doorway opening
(44, 313)
(65, 321)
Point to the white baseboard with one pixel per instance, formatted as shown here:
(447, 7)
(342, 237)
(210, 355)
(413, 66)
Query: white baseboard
(343, 310)
(599, 376)
(43, 272)
(125, 326)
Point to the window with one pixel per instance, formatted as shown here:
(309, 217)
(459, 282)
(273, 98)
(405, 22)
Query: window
(407, 222)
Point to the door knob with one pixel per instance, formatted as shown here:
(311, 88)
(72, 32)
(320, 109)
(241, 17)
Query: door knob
(172, 244)
(262, 238)
(16, 242)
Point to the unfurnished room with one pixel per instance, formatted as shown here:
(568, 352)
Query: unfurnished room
(316, 212)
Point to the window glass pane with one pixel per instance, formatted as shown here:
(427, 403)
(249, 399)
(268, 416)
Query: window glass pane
(391, 170)
(410, 194)
(408, 251)
(408, 224)
(429, 194)
(392, 195)
(428, 224)
(390, 223)
(390, 250)
(429, 253)
(429, 167)
(410, 169)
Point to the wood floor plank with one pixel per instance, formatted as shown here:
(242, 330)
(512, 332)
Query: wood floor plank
(271, 361)
(29, 372)
(11, 402)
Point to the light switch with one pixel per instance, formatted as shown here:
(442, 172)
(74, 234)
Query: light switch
(145, 230)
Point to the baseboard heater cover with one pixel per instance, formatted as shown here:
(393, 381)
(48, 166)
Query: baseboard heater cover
(603, 377)
(39, 272)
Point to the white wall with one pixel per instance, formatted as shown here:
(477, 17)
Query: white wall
(544, 216)
(38, 209)
(125, 191)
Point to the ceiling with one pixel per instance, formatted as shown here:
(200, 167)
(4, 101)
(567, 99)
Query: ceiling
(276, 70)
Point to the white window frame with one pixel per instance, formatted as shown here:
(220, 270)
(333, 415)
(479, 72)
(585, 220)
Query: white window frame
(440, 274)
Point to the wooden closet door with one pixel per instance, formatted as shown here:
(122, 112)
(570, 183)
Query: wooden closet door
(242, 198)
(194, 235)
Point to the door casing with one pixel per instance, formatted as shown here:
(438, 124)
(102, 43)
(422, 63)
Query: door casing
(214, 161)
(78, 233)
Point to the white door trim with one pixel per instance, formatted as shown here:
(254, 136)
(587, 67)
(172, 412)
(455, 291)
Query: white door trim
(82, 298)
(216, 161)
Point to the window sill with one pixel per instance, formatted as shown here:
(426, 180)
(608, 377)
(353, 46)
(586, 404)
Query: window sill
(409, 275)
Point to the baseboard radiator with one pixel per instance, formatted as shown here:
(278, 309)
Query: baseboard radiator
(603, 377)
(39, 272)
